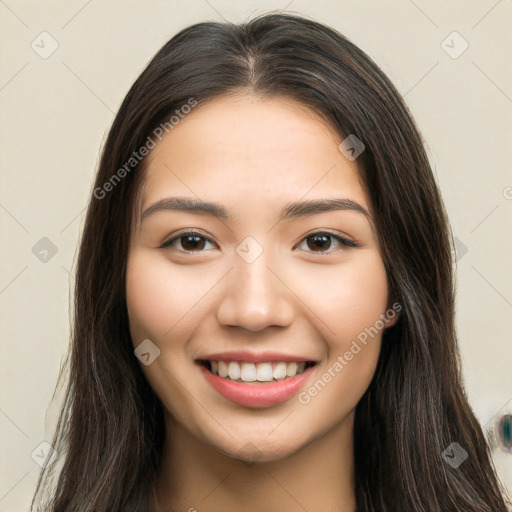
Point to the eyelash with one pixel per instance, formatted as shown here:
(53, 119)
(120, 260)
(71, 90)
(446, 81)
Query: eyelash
(342, 240)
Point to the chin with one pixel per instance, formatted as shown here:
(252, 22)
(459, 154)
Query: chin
(254, 450)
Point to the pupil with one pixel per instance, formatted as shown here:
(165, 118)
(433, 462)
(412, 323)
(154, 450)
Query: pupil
(196, 240)
(319, 240)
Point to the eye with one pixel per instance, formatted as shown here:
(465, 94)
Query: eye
(190, 241)
(324, 240)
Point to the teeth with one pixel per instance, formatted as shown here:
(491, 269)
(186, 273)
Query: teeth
(248, 373)
(264, 372)
(234, 370)
(222, 368)
(291, 369)
(280, 371)
(260, 372)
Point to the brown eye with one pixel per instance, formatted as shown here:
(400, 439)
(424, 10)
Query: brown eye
(321, 242)
(189, 242)
(192, 242)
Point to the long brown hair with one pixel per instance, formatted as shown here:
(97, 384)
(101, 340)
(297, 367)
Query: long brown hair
(111, 432)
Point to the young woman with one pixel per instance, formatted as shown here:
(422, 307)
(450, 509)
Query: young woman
(264, 313)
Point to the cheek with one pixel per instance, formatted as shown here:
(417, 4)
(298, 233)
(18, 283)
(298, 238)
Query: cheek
(160, 308)
(345, 300)
(350, 307)
(160, 302)
(356, 302)
(147, 299)
(363, 299)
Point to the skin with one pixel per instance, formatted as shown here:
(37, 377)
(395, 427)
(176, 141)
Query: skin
(254, 156)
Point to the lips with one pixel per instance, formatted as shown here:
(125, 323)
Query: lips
(256, 380)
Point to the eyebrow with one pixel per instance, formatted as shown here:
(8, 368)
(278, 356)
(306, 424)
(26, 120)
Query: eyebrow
(290, 210)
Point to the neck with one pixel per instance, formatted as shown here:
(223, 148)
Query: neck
(195, 476)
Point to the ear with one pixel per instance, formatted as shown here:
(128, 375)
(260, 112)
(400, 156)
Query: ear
(392, 312)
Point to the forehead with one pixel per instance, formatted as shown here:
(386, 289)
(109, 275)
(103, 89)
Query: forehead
(247, 151)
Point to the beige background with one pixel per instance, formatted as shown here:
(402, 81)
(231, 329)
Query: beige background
(57, 110)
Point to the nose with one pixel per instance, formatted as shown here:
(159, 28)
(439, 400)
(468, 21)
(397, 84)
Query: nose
(255, 297)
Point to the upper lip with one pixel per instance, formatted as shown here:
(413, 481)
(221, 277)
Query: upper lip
(252, 357)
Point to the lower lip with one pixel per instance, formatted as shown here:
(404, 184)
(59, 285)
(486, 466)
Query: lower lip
(259, 394)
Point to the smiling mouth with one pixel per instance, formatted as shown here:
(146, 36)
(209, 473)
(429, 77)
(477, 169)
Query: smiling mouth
(250, 373)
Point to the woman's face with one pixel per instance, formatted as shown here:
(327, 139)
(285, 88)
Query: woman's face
(284, 295)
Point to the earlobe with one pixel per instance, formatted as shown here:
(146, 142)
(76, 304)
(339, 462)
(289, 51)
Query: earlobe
(393, 312)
